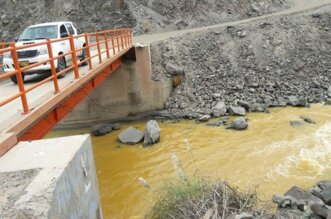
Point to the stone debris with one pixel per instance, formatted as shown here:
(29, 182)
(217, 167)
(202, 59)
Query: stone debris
(219, 109)
(237, 111)
(296, 124)
(222, 67)
(130, 136)
(152, 133)
(101, 129)
(297, 203)
(238, 124)
(308, 120)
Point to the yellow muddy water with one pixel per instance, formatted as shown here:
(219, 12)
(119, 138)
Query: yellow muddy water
(270, 156)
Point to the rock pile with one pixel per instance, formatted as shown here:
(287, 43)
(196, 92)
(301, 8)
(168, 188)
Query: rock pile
(297, 203)
(282, 61)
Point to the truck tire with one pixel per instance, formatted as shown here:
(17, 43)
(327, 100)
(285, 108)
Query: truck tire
(83, 57)
(61, 65)
(14, 79)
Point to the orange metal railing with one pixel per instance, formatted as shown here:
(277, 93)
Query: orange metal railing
(113, 41)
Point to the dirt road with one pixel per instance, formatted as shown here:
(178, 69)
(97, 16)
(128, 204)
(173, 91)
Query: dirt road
(297, 6)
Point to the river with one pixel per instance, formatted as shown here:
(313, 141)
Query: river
(270, 157)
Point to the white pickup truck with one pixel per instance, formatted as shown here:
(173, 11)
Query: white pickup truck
(39, 33)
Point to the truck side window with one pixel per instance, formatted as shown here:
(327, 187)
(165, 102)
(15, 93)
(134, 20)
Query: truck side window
(63, 30)
(70, 29)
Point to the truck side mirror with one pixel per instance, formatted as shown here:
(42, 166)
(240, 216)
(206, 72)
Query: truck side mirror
(63, 35)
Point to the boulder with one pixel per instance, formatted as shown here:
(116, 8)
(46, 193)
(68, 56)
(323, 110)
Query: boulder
(323, 191)
(237, 111)
(152, 133)
(284, 201)
(248, 107)
(301, 195)
(101, 129)
(174, 69)
(115, 126)
(308, 120)
(295, 101)
(320, 210)
(329, 92)
(219, 109)
(238, 124)
(131, 136)
(296, 124)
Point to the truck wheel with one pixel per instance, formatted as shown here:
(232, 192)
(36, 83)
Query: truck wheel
(61, 65)
(83, 57)
(14, 79)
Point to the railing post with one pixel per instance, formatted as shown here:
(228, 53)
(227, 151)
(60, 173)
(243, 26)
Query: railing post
(98, 46)
(19, 79)
(121, 32)
(74, 56)
(87, 43)
(112, 41)
(106, 43)
(54, 75)
(117, 39)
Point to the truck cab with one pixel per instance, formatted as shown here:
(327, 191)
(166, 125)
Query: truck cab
(40, 33)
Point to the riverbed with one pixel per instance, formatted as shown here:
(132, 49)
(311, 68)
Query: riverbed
(270, 156)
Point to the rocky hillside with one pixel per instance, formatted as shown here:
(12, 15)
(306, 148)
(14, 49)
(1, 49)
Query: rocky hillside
(160, 15)
(143, 15)
(283, 60)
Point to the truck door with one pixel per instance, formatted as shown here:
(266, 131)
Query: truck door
(76, 41)
(65, 44)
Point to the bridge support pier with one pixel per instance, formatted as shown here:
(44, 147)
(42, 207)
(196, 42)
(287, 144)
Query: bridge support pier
(129, 91)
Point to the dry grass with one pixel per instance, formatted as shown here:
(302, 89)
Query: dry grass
(199, 199)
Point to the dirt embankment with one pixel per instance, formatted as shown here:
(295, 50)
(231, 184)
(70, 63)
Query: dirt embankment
(145, 16)
(272, 63)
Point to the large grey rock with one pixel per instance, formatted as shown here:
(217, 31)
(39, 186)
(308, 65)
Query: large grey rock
(174, 69)
(320, 210)
(329, 92)
(323, 191)
(238, 124)
(101, 129)
(307, 119)
(131, 136)
(248, 106)
(219, 109)
(237, 111)
(296, 124)
(301, 195)
(295, 101)
(152, 133)
(284, 201)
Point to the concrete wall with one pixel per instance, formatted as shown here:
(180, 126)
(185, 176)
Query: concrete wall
(128, 91)
(53, 178)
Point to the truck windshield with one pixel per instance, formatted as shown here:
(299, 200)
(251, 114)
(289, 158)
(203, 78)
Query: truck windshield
(38, 33)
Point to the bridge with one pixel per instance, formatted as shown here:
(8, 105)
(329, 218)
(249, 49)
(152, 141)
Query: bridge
(30, 110)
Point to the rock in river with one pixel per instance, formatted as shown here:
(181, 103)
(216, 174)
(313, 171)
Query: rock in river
(237, 111)
(152, 133)
(238, 124)
(131, 136)
(101, 129)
